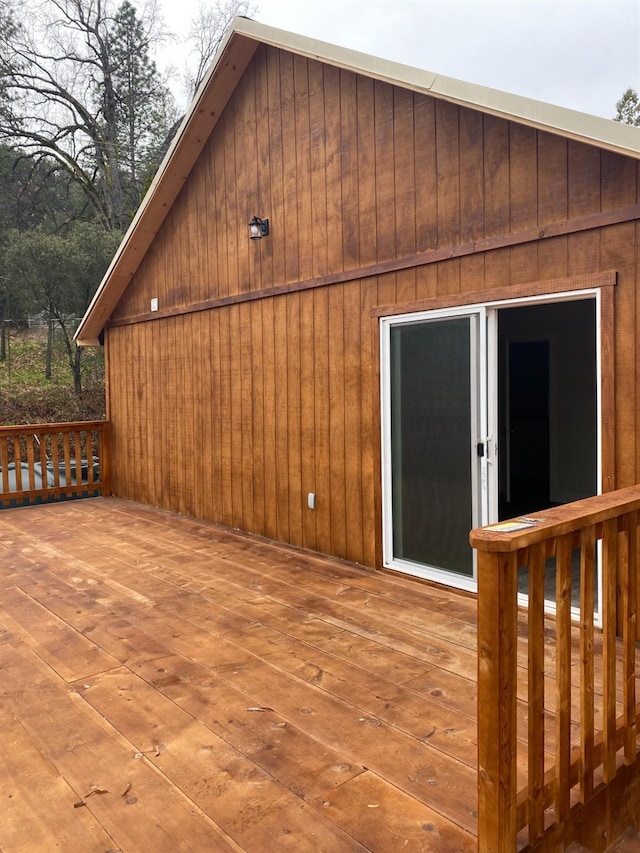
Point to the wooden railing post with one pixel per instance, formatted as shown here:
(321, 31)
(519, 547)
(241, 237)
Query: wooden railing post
(105, 458)
(497, 694)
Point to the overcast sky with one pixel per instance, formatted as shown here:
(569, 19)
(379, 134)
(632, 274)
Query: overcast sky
(581, 54)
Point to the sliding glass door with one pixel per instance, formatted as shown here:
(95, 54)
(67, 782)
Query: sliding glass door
(454, 382)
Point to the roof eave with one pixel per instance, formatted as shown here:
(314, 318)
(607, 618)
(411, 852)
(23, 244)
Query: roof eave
(572, 124)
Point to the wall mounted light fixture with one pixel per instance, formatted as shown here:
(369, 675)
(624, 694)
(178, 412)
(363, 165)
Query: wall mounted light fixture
(258, 228)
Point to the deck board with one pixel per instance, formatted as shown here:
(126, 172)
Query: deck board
(227, 692)
(27, 780)
(127, 798)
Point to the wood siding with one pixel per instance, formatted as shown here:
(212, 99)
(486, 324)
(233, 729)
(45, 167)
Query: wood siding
(256, 381)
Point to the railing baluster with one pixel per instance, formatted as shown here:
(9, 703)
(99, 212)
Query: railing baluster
(78, 456)
(55, 460)
(66, 451)
(628, 581)
(563, 676)
(42, 446)
(587, 668)
(536, 691)
(17, 459)
(89, 444)
(609, 580)
(4, 462)
(31, 471)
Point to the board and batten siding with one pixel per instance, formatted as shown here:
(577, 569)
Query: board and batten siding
(255, 383)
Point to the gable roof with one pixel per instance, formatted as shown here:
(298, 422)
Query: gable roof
(238, 46)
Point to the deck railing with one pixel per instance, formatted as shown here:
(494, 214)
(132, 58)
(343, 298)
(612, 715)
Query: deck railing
(579, 779)
(40, 463)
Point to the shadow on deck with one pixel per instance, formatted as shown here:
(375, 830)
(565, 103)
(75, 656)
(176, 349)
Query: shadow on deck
(169, 685)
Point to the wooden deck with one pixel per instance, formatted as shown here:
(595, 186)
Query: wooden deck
(166, 685)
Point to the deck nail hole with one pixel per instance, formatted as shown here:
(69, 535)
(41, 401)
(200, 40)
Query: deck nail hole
(131, 800)
(428, 827)
(306, 711)
(436, 692)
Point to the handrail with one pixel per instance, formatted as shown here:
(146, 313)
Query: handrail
(571, 795)
(48, 462)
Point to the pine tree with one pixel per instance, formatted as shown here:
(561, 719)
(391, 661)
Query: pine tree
(628, 108)
(144, 108)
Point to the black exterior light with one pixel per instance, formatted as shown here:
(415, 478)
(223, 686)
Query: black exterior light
(258, 228)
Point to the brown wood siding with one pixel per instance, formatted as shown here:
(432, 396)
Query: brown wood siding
(274, 409)
(233, 413)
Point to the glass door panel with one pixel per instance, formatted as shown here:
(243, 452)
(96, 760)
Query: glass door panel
(433, 429)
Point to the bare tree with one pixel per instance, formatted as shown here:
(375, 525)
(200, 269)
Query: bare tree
(70, 68)
(205, 34)
(203, 39)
